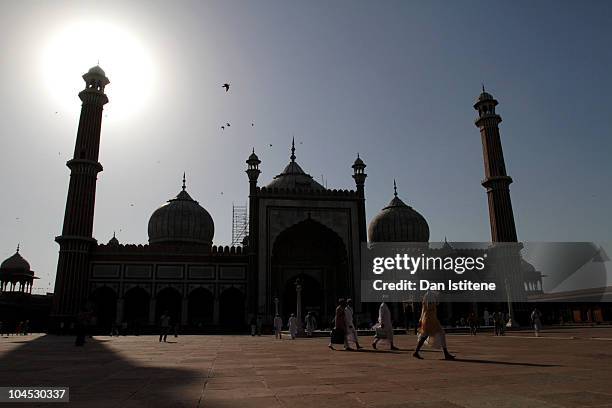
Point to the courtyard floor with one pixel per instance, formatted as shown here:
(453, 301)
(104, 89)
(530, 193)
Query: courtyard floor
(564, 368)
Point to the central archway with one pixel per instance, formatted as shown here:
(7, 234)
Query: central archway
(318, 256)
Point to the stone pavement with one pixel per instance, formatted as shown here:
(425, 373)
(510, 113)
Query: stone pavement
(565, 368)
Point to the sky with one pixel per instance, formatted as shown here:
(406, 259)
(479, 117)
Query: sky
(392, 80)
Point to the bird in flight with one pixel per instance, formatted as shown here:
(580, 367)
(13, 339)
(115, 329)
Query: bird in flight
(222, 127)
(226, 86)
(227, 124)
(252, 124)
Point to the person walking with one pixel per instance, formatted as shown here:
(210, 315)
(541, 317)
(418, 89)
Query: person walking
(278, 327)
(384, 327)
(536, 320)
(486, 317)
(292, 325)
(351, 332)
(472, 323)
(311, 324)
(164, 326)
(430, 329)
(338, 333)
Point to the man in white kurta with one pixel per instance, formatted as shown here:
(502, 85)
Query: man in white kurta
(311, 324)
(351, 332)
(293, 326)
(278, 327)
(384, 327)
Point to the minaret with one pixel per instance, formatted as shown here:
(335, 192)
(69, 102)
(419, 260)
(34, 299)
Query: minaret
(496, 180)
(253, 173)
(76, 240)
(360, 176)
(504, 259)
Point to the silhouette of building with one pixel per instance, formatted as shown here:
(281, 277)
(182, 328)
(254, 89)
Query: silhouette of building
(17, 303)
(297, 230)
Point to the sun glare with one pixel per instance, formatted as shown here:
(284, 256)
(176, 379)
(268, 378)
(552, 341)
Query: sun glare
(79, 46)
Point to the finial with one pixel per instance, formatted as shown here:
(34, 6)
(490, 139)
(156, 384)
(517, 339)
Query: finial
(394, 188)
(114, 234)
(17, 247)
(184, 181)
(293, 149)
(253, 150)
(357, 154)
(483, 89)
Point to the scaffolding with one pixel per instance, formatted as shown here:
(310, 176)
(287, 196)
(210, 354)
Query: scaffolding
(240, 224)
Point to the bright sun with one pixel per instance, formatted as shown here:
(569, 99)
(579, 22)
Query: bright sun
(79, 46)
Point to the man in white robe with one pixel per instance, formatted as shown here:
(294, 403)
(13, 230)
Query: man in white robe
(384, 327)
(293, 326)
(278, 327)
(311, 324)
(351, 332)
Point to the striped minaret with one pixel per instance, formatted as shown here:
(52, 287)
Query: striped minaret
(76, 240)
(496, 180)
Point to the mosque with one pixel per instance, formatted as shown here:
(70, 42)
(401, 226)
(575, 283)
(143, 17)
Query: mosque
(303, 240)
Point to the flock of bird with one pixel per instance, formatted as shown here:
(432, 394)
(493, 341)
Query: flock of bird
(226, 86)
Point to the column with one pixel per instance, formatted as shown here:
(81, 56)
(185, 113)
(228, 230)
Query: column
(184, 311)
(119, 315)
(152, 311)
(216, 310)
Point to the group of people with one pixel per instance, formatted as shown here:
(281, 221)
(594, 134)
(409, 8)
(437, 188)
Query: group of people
(344, 331)
(293, 325)
(430, 330)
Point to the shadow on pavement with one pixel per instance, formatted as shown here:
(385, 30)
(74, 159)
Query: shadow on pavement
(97, 375)
(471, 360)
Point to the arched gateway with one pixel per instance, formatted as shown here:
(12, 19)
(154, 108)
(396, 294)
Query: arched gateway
(314, 254)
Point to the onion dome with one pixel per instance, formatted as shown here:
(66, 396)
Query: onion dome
(293, 177)
(398, 222)
(358, 162)
(181, 220)
(96, 71)
(16, 265)
(253, 158)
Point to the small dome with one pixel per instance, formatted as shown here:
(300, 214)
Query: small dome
(113, 241)
(398, 222)
(358, 162)
(293, 177)
(485, 96)
(96, 71)
(16, 263)
(253, 157)
(181, 220)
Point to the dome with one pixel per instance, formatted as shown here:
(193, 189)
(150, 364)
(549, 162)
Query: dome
(96, 71)
(181, 220)
(398, 222)
(293, 177)
(113, 241)
(16, 263)
(485, 96)
(253, 157)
